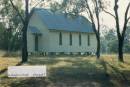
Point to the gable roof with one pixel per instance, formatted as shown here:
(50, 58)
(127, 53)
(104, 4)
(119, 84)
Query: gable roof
(63, 23)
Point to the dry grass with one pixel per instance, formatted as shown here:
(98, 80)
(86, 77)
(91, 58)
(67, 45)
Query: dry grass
(8, 60)
(113, 60)
(76, 71)
(5, 62)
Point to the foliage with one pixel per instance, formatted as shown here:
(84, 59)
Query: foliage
(9, 40)
(127, 41)
(10, 27)
(109, 42)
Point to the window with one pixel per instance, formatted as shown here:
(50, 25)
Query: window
(80, 40)
(36, 42)
(88, 40)
(60, 38)
(70, 39)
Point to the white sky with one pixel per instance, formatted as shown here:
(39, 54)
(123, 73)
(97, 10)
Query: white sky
(108, 20)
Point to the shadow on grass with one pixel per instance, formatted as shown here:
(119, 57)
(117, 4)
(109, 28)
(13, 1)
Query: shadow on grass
(42, 61)
(50, 60)
(119, 75)
(11, 54)
(81, 71)
(31, 82)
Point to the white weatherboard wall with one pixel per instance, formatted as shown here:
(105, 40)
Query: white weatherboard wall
(75, 47)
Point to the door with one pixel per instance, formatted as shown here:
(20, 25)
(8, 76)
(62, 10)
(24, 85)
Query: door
(36, 42)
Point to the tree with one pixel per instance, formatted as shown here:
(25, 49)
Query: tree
(120, 33)
(25, 21)
(24, 30)
(96, 29)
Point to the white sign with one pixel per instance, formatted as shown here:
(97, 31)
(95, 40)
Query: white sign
(27, 71)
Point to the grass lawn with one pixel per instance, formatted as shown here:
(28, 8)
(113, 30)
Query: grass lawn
(7, 60)
(76, 71)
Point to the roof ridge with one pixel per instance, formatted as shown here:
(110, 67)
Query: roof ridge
(61, 22)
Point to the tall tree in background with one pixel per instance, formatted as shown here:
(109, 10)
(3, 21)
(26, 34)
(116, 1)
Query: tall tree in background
(127, 41)
(109, 42)
(120, 32)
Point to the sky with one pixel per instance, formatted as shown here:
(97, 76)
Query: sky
(108, 20)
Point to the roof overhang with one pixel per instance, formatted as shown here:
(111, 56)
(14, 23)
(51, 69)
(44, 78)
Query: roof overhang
(34, 30)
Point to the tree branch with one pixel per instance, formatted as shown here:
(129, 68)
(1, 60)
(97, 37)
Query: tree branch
(38, 3)
(92, 18)
(17, 11)
(97, 16)
(127, 10)
(116, 7)
(126, 19)
(109, 13)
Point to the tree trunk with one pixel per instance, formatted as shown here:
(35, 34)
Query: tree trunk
(120, 50)
(24, 36)
(98, 47)
(24, 45)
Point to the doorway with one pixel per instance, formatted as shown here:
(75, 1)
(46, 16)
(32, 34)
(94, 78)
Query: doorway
(36, 42)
